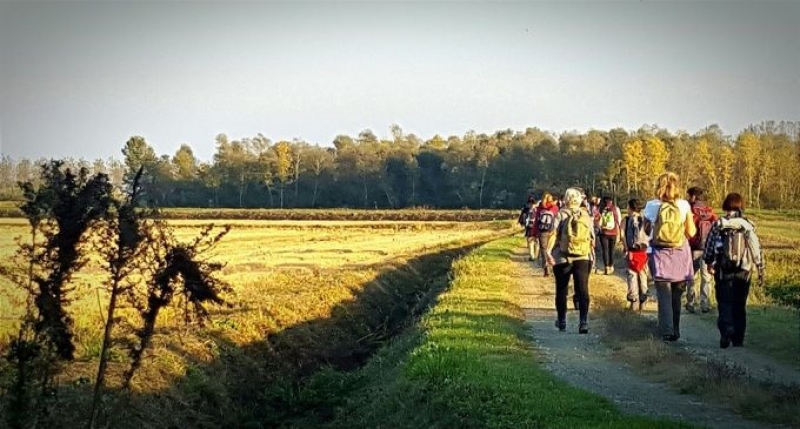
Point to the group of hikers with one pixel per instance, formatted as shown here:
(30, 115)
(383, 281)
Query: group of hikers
(669, 241)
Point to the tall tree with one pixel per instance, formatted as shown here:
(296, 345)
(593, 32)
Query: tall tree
(283, 165)
(185, 163)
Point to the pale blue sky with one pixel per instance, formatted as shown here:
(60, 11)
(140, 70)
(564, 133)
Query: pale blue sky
(78, 78)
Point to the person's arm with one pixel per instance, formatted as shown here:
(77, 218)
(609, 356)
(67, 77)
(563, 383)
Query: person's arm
(556, 225)
(689, 227)
(756, 250)
(622, 230)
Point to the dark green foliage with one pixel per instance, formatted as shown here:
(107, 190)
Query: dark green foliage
(177, 269)
(62, 210)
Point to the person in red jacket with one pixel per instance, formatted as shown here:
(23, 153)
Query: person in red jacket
(704, 218)
(544, 230)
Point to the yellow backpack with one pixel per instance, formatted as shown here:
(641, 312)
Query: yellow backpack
(575, 238)
(668, 231)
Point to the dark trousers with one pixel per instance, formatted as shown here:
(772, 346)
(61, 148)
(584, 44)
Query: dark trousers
(732, 289)
(607, 244)
(579, 271)
(669, 307)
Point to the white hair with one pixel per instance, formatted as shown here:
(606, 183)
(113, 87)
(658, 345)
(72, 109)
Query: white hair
(573, 197)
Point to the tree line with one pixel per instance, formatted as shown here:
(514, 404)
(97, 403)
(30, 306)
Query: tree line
(474, 170)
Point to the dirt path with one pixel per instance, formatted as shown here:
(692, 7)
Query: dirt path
(583, 361)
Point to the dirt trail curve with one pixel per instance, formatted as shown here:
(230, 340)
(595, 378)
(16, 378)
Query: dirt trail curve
(583, 361)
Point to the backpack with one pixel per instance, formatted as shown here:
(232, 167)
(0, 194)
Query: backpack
(704, 220)
(524, 218)
(608, 221)
(545, 221)
(668, 231)
(636, 237)
(734, 248)
(734, 251)
(575, 233)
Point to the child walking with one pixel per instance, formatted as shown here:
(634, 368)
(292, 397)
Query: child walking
(635, 241)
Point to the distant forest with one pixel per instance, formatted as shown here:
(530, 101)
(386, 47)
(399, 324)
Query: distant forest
(474, 170)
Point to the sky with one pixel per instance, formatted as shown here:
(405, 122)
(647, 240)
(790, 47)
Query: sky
(77, 79)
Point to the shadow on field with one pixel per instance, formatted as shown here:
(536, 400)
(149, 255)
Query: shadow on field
(263, 384)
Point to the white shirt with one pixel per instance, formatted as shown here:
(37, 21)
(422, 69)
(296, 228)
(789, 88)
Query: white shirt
(650, 213)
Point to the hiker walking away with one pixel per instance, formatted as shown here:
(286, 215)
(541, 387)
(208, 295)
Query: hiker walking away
(732, 253)
(635, 241)
(704, 218)
(571, 256)
(546, 214)
(670, 224)
(607, 223)
(527, 220)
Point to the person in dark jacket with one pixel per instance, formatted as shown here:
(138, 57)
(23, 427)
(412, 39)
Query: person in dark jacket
(527, 220)
(732, 265)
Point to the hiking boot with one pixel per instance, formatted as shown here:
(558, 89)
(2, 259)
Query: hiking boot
(725, 339)
(561, 325)
(583, 328)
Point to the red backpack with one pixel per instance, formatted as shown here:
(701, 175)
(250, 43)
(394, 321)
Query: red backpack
(704, 218)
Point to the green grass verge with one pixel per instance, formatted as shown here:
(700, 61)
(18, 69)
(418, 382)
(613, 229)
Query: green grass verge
(772, 331)
(468, 364)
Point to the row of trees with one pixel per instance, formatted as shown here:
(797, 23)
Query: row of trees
(473, 170)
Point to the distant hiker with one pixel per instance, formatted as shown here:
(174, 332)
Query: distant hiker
(704, 218)
(732, 254)
(594, 206)
(608, 223)
(571, 256)
(635, 241)
(528, 221)
(670, 222)
(546, 214)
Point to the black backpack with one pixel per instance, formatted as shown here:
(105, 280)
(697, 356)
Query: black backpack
(545, 221)
(636, 237)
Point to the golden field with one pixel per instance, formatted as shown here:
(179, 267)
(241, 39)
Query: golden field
(305, 293)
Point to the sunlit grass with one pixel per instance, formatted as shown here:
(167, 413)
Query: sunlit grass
(469, 365)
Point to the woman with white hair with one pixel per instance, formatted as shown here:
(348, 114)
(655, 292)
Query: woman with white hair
(571, 257)
(670, 223)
